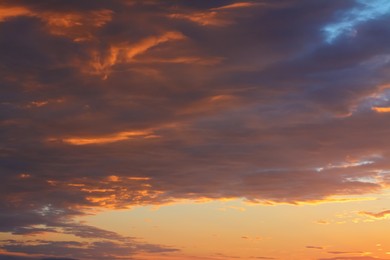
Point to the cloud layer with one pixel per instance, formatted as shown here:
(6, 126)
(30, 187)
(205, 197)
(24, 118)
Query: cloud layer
(112, 104)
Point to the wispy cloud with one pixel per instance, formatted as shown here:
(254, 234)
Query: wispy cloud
(365, 10)
(378, 215)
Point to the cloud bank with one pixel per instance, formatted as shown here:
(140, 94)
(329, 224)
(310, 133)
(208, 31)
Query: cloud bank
(113, 104)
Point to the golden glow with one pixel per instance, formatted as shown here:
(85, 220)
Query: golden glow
(124, 198)
(113, 178)
(381, 109)
(7, 12)
(76, 184)
(252, 231)
(138, 178)
(235, 5)
(24, 176)
(121, 136)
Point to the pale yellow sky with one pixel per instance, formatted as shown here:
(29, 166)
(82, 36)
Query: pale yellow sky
(245, 230)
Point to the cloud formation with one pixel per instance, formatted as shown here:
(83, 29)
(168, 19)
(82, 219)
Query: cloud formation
(315, 247)
(84, 250)
(114, 104)
(382, 214)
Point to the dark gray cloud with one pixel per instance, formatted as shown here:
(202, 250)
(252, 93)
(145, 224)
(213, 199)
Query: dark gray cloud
(10, 257)
(51, 258)
(84, 250)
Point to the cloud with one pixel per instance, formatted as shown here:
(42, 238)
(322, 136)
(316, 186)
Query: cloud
(315, 247)
(378, 215)
(84, 250)
(12, 12)
(342, 252)
(235, 6)
(57, 259)
(116, 104)
(251, 134)
(73, 24)
(105, 139)
(322, 222)
(381, 109)
(123, 52)
(363, 12)
(216, 16)
(12, 257)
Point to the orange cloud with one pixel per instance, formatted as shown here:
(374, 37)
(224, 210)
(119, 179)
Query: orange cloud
(202, 18)
(381, 109)
(213, 16)
(235, 6)
(120, 196)
(138, 178)
(379, 215)
(116, 137)
(147, 43)
(113, 192)
(24, 176)
(7, 12)
(125, 53)
(42, 103)
(78, 26)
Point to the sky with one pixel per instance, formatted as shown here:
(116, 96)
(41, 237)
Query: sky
(194, 129)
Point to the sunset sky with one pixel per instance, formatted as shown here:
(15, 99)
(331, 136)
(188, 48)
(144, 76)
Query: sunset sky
(194, 129)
